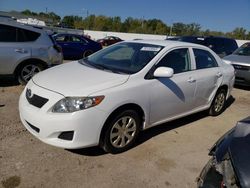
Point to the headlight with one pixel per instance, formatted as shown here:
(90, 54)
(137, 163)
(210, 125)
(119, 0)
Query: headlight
(72, 104)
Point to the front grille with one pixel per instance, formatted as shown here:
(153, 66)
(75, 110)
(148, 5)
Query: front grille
(241, 67)
(33, 127)
(35, 100)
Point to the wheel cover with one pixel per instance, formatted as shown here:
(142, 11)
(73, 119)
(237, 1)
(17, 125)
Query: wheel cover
(219, 102)
(29, 71)
(123, 132)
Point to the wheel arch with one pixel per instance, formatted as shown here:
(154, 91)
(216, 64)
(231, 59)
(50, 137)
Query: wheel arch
(87, 52)
(128, 106)
(31, 60)
(225, 87)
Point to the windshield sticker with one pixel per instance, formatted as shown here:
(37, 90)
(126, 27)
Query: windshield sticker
(151, 49)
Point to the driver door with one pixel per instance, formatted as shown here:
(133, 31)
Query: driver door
(170, 97)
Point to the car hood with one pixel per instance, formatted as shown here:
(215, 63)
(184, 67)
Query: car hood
(238, 59)
(75, 79)
(237, 143)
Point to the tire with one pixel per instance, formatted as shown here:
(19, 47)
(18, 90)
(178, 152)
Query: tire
(27, 71)
(121, 132)
(218, 104)
(87, 53)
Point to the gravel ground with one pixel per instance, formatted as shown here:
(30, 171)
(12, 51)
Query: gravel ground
(169, 155)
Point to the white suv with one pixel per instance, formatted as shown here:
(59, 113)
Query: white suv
(110, 96)
(26, 50)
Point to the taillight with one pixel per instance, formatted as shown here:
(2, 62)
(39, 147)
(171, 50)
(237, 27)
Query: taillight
(57, 48)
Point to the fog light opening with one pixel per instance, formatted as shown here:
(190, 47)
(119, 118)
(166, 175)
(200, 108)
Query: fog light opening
(67, 135)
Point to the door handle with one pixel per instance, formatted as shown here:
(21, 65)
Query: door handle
(191, 80)
(21, 50)
(219, 74)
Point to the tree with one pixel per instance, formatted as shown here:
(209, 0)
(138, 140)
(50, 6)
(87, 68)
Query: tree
(69, 21)
(134, 25)
(116, 24)
(193, 29)
(160, 28)
(179, 29)
(239, 33)
(27, 12)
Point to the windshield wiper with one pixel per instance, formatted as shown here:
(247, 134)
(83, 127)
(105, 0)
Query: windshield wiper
(104, 67)
(99, 66)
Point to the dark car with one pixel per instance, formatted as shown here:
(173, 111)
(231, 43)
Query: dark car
(229, 165)
(109, 40)
(220, 45)
(76, 46)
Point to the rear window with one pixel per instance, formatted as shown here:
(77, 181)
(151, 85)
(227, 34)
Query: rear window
(230, 45)
(221, 46)
(13, 34)
(24, 35)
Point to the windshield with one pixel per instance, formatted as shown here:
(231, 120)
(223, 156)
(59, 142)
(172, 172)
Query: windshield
(127, 58)
(243, 50)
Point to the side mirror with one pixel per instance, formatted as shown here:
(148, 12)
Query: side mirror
(164, 72)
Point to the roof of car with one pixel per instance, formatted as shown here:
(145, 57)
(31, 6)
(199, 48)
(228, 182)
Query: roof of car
(165, 43)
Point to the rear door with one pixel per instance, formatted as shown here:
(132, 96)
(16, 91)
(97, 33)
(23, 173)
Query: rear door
(208, 76)
(13, 48)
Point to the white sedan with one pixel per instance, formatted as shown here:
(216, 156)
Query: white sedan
(109, 97)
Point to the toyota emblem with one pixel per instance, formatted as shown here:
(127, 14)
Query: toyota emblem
(29, 93)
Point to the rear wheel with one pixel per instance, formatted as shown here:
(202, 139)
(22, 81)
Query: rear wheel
(121, 132)
(27, 71)
(87, 53)
(218, 104)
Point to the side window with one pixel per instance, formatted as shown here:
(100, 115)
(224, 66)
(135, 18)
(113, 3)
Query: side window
(24, 35)
(178, 60)
(75, 39)
(204, 59)
(8, 33)
(59, 38)
(230, 46)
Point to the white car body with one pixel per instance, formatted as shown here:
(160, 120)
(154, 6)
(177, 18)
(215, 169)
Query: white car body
(160, 99)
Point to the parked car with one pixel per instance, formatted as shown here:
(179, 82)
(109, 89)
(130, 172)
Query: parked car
(240, 59)
(109, 40)
(25, 51)
(107, 98)
(229, 164)
(222, 46)
(76, 46)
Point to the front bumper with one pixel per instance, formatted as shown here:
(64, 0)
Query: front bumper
(47, 126)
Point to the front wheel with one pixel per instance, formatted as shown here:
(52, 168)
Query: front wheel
(218, 104)
(121, 132)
